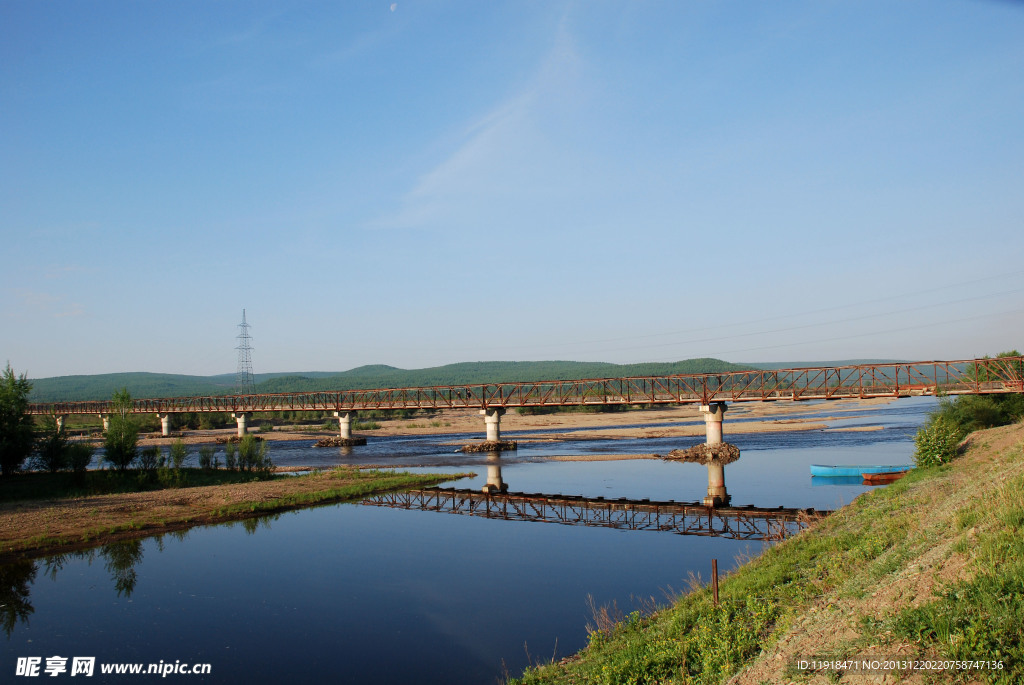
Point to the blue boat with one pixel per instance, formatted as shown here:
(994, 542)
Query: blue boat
(845, 471)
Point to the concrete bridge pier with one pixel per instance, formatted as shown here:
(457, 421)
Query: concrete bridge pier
(714, 414)
(59, 418)
(494, 482)
(106, 422)
(241, 418)
(345, 423)
(165, 424)
(492, 420)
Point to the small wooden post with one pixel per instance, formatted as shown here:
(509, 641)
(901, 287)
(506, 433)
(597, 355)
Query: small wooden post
(714, 579)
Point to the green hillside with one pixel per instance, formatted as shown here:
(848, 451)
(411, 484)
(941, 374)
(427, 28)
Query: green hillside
(143, 385)
(488, 372)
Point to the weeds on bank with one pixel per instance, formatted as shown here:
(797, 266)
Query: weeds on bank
(981, 618)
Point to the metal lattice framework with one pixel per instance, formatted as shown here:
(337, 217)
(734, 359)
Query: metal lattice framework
(970, 376)
(738, 523)
(244, 384)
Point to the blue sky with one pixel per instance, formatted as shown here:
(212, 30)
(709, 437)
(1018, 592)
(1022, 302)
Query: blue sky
(421, 183)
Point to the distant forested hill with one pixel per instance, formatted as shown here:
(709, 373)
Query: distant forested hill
(142, 385)
(465, 373)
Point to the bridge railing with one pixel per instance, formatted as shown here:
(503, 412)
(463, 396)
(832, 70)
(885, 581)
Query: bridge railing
(974, 376)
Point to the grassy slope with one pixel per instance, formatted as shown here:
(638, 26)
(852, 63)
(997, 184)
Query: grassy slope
(929, 567)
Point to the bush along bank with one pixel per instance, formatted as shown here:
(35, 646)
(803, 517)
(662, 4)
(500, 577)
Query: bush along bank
(930, 567)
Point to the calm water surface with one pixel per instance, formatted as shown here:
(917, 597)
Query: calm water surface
(350, 593)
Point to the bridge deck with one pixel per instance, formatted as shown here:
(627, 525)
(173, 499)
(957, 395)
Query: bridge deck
(971, 376)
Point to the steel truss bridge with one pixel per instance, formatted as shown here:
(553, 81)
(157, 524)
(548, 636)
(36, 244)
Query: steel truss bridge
(970, 376)
(738, 523)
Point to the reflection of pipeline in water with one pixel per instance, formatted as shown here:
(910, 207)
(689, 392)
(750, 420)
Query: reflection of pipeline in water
(681, 518)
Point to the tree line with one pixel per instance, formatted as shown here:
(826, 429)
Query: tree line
(52, 450)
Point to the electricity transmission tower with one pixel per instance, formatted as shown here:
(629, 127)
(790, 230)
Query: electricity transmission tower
(244, 384)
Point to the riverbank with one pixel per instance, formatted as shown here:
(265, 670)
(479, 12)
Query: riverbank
(31, 528)
(928, 568)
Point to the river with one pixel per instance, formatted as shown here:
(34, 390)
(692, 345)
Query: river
(353, 593)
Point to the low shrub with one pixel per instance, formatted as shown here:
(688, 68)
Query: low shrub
(938, 442)
(149, 458)
(206, 458)
(178, 453)
(79, 456)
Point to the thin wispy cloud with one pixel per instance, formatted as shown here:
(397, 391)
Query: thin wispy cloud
(505, 153)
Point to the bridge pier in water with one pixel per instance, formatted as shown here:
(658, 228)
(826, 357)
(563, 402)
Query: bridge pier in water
(241, 418)
(714, 415)
(492, 421)
(165, 424)
(345, 424)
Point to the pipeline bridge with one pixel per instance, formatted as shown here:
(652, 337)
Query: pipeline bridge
(680, 518)
(710, 390)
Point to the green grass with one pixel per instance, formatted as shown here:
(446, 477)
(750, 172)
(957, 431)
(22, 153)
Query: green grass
(981, 618)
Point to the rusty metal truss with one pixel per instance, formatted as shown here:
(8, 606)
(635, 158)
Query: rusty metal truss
(738, 523)
(970, 376)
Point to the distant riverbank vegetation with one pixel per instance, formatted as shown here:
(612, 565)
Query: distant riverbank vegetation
(939, 440)
(48, 447)
(41, 485)
(146, 385)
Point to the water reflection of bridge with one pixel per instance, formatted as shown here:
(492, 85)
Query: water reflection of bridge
(681, 518)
